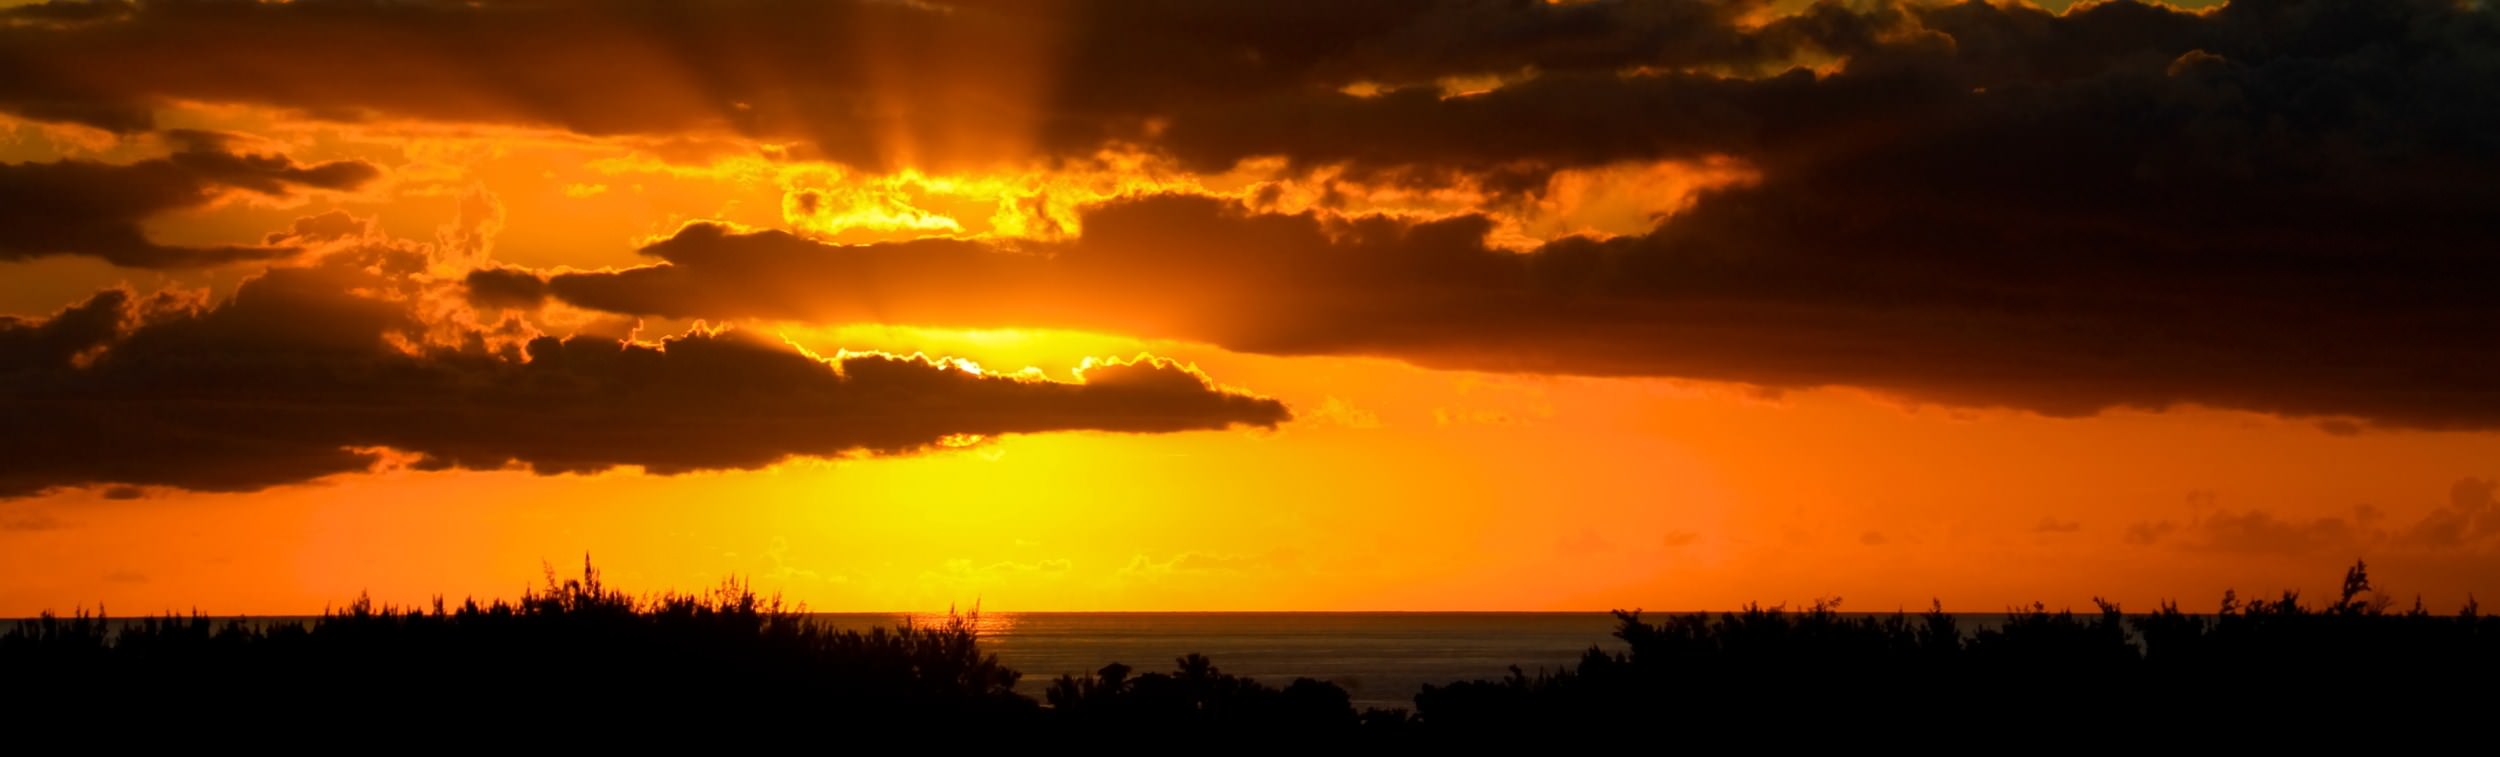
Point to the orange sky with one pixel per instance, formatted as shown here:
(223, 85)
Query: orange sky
(1431, 461)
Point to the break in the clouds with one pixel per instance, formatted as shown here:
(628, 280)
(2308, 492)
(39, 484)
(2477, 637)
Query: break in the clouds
(314, 370)
(76, 207)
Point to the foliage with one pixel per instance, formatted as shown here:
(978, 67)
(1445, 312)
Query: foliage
(575, 649)
(577, 662)
(2350, 663)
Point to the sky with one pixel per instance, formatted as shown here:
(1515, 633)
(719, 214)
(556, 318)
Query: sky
(1132, 305)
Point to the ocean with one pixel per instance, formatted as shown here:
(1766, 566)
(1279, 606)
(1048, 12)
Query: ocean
(1381, 658)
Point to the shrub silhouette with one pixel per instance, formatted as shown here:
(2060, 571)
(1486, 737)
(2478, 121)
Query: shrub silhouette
(574, 651)
(2350, 663)
(577, 662)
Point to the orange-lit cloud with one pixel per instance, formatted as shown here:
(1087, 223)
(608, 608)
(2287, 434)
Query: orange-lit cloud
(309, 370)
(950, 85)
(1707, 295)
(75, 207)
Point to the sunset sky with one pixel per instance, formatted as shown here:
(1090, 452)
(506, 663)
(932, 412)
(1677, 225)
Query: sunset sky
(896, 305)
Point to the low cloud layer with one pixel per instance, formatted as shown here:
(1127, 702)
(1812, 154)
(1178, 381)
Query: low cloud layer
(2468, 525)
(2391, 329)
(311, 371)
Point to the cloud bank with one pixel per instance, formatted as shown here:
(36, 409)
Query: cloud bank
(2373, 329)
(314, 370)
(75, 207)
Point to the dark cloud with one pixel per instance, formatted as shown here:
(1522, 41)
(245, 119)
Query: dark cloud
(867, 82)
(2471, 517)
(30, 522)
(2291, 87)
(2258, 532)
(505, 288)
(326, 227)
(2147, 533)
(880, 83)
(2261, 532)
(2469, 525)
(67, 11)
(77, 330)
(1743, 287)
(74, 207)
(311, 371)
(886, 83)
(2051, 525)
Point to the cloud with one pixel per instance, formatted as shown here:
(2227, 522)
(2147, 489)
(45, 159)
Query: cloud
(867, 82)
(882, 84)
(2469, 524)
(1207, 564)
(505, 288)
(1727, 291)
(2260, 532)
(2051, 525)
(1339, 412)
(30, 522)
(66, 12)
(2472, 516)
(2147, 533)
(308, 371)
(1582, 543)
(76, 207)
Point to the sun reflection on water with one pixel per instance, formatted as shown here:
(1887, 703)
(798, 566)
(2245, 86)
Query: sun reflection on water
(983, 623)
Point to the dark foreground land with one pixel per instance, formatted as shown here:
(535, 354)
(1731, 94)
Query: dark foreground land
(581, 664)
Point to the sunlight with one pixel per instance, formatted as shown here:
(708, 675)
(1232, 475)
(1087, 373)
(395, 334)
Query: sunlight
(1289, 305)
(983, 622)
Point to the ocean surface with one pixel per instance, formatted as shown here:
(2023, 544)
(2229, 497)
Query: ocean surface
(1381, 658)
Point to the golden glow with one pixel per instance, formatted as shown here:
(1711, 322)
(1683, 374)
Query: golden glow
(1530, 494)
(1477, 84)
(1394, 488)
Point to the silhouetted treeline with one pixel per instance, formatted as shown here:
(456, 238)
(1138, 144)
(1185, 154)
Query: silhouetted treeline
(2263, 670)
(577, 655)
